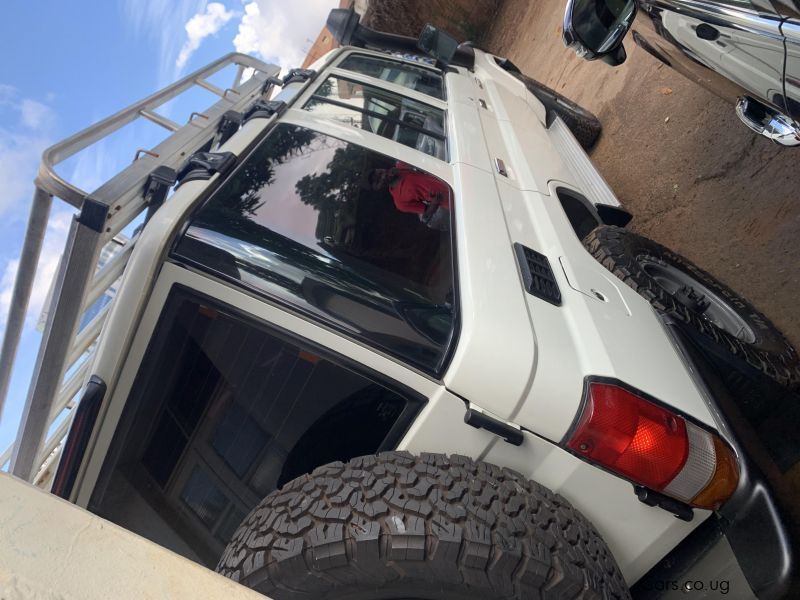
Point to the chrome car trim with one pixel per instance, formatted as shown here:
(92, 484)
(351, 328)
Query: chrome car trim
(791, 30)
(745, 19)
(572, 40)
(771, 124)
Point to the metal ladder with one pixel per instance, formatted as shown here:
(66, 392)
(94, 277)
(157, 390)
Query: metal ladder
(64, 357)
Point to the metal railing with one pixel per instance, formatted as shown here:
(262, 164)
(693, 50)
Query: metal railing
(67, 344)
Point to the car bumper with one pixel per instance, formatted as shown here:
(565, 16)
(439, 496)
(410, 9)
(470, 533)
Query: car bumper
(748, 549)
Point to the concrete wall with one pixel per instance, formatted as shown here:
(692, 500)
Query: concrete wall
(51, 549)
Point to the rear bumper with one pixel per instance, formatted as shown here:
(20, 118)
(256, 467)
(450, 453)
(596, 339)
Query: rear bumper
(750, 539)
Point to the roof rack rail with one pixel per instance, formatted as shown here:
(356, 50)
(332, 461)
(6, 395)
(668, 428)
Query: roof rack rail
(87, 272)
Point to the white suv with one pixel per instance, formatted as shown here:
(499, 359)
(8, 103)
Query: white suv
(391, 339)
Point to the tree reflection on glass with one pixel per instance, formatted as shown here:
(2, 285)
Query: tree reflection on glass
(374, 269)
(341, 182)
(242, 192)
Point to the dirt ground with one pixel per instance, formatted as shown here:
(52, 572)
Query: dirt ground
(463, 19)
(693, 176)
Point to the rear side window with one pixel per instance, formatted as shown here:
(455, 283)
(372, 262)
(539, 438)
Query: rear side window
(344, 234)
(223, 412)
(412, 77)
(381, 112)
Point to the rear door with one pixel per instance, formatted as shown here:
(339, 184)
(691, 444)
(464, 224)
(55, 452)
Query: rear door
(436, 125)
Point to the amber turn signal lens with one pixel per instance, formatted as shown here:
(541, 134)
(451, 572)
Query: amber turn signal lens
(724, 481)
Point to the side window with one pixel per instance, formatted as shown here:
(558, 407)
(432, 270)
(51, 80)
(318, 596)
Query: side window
(414, 78)
(341, 233)
(222, 413)
(382, 112)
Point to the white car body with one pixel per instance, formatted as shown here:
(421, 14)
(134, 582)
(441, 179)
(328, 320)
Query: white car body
(518, 357)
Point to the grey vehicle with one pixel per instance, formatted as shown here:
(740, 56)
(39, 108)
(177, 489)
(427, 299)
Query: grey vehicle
(746, 51)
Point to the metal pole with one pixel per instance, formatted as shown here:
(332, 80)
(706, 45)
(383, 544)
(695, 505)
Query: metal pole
(238, 78)
(76, 269)
(6, 456)
(26, 273)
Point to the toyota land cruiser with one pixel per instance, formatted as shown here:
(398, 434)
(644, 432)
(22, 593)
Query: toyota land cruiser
(389, 337)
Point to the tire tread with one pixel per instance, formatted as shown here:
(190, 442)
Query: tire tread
(395, 521)
(618, 249)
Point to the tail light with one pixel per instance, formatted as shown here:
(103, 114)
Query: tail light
(651, 446)
(78, 438)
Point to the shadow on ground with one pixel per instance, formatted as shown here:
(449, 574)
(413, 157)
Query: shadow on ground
(694, 177)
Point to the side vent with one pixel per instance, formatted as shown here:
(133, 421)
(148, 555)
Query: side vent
(537, 274)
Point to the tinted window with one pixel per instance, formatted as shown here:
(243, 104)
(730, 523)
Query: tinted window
(597, 21)
(376, 110)
(257, 411)
(410, 76)
(342, 233)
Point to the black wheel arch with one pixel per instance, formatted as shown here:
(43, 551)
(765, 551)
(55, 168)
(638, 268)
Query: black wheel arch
(333, 436)
(585, 216)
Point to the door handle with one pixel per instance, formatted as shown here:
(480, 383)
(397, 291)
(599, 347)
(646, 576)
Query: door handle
(706, 32)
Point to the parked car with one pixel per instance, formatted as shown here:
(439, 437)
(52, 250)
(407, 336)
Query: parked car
(389, 338)
(746, 51)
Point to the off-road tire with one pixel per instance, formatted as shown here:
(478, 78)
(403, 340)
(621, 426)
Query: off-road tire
(401, 526)
(583, 124)
(620, 251)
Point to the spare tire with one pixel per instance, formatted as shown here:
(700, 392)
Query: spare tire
(399, 526)
(677, 287)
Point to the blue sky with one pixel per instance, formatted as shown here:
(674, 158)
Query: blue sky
(68, 64)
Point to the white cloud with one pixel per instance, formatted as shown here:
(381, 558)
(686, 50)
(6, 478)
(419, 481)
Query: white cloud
(21, 146)
(33, 113)
(7, 93)
(200, 26)
(162, 22)
(95, 165)
(19, 158)
(281, 32)
(36, 115)
(52, 248)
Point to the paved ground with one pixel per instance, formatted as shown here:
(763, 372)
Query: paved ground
(694, 177)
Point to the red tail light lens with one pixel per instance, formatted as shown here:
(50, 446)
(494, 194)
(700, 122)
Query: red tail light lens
(631, 436)
(651, 446)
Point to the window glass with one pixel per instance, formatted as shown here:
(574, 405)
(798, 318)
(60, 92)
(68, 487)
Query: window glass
(597, 21)
(381, 112)
(203, 496)
(238, 439)
(230, 523)
(415, 78)
(347, 235)
(276, 411)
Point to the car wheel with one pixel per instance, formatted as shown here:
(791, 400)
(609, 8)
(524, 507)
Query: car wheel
(583, 124)
(401, 526)
(677, 287)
